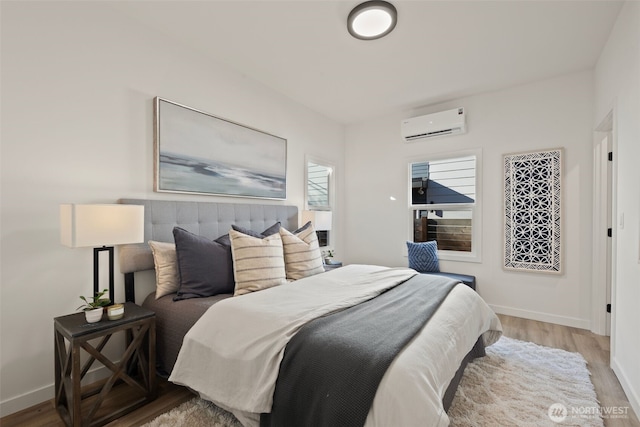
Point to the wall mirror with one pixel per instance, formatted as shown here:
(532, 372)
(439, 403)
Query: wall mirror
(319, 195)
(318, 185)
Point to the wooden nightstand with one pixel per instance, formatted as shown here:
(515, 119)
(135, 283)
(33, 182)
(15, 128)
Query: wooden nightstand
(136, 366)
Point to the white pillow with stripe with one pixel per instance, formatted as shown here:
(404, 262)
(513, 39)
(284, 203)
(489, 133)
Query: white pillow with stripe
(302, 256)
(257, 263)
(166, 265)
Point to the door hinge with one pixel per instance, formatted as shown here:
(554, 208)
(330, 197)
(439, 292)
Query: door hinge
(608, 308)
(610, 232)
(611, 156)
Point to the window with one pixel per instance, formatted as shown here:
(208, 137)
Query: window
(444, 205)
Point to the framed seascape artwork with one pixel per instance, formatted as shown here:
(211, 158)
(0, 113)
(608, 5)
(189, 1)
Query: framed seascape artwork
(198, 153)
(532, 210)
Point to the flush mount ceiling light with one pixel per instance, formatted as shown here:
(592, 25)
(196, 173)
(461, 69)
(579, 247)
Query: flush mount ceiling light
(372, 19)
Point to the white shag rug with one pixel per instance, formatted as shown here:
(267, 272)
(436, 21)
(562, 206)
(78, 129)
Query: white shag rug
(518, 383)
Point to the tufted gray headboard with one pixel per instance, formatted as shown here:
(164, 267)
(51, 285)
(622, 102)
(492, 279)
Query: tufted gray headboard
(206, 219)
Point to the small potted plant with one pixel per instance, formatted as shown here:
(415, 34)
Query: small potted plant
(328, 256)
(93, 309)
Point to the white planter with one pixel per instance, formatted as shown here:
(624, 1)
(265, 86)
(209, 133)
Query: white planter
(94, 315)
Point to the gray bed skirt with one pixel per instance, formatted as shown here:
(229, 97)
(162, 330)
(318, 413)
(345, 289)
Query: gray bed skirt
(173, 321)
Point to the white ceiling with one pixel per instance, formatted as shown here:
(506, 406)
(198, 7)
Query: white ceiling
(439, 50)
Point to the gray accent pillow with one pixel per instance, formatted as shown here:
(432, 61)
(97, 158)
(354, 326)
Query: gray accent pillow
(205, 266)
(304, 227)
(268, 232)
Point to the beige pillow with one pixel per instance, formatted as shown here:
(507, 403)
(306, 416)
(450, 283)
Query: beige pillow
(258, 263)
(166, 264)
(302, 255)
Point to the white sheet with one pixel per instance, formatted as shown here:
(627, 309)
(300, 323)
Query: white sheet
(232, 354)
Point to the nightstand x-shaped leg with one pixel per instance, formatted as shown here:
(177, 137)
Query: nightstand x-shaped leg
(69, 393)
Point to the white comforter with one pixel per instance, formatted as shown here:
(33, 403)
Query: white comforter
(231, 356)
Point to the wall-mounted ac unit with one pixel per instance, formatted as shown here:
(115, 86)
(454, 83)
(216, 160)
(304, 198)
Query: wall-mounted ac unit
(437, 124)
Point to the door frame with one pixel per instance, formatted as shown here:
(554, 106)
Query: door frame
(603, 254)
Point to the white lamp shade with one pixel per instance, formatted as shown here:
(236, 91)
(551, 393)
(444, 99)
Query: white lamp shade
(101, 225)
(321, 220)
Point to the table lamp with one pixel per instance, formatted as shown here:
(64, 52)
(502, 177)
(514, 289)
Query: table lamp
(321, 221)
(102, 227)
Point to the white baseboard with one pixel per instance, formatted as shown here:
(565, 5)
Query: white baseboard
(632, 395)
(26, 400)
(35, 397)
(542, 317)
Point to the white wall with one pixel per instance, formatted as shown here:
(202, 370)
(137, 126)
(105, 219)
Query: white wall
(78, 82)
(547, 114)
(77, 87)
(617, 88)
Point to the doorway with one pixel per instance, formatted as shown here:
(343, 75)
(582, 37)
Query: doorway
(603, 230)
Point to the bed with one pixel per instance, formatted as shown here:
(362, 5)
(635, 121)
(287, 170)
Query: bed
(411, 392)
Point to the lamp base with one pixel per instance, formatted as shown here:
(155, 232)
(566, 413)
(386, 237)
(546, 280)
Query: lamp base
(96, 271)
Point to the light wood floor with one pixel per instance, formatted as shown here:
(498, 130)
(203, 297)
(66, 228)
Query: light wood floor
(594, 348)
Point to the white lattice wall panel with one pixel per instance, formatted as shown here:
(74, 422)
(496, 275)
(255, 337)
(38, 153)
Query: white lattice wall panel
(532, 209)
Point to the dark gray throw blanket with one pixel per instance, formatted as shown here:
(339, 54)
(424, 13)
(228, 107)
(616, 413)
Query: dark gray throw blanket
(332, 367)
